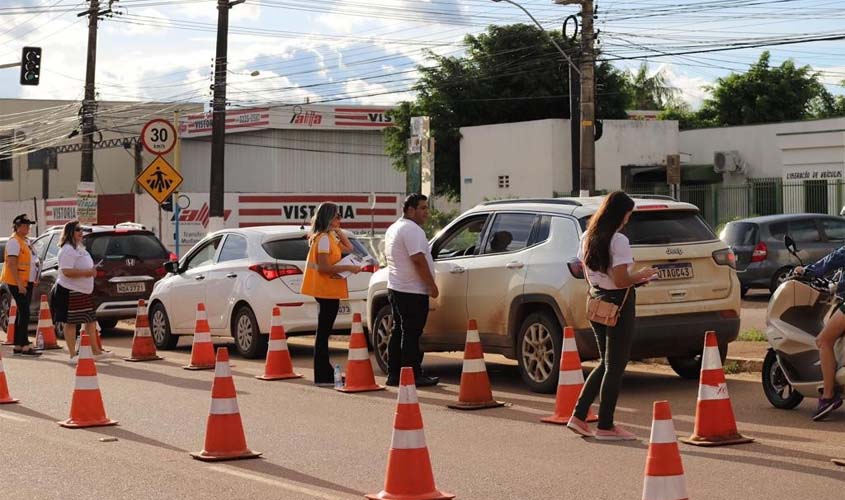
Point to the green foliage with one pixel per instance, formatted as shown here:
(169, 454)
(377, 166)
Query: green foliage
(508, 74)
(687, 119)
(752, 335)
(650, 92)
(437, 220)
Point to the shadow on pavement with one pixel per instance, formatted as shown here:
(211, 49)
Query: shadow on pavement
(119, 433)
(128, 372)
(271, 469)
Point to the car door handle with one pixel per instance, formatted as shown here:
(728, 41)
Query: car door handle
(199, 278)
(457, 270)
(231, 275)
(515, 265)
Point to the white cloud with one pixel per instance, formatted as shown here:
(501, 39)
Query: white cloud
(375, 93)
(690, 87)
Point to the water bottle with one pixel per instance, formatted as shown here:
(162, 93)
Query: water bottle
(338, 377)
(39, 341)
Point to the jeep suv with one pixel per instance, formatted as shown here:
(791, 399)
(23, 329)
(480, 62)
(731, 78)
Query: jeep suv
(511, 265)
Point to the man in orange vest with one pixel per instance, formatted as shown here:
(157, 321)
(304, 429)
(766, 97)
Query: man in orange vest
(20, 273)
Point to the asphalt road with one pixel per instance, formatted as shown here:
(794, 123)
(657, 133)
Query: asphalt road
(318, 443)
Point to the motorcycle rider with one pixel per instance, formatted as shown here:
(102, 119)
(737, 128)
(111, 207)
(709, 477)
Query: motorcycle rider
(834, 328)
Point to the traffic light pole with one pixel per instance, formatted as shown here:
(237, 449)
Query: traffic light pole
(86, 173)
(218, 118)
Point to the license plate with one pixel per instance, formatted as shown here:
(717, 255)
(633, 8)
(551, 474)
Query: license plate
(131, 288)
(344, 309)
(674, 271)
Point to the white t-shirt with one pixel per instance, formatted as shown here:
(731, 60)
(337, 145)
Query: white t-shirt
(403, 239)
(620, 254)
(13, 249)
(75, 258)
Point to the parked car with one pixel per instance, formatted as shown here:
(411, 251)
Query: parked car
(523, 295)
(762, 258)
(5, 294)
(240, 275)
(133, 261)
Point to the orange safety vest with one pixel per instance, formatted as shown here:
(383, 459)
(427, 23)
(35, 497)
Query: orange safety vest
(322, 285)
(24, 263)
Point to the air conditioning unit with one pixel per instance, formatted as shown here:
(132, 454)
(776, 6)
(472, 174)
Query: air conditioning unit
(728, 161)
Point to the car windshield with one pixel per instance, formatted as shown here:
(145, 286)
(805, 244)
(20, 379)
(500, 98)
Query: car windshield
(297, 248)
(122, 245)
(738, 234)
(664, 227)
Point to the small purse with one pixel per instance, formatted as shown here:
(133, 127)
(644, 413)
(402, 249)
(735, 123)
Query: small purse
(601, 311)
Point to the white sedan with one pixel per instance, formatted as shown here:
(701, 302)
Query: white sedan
(240, 275)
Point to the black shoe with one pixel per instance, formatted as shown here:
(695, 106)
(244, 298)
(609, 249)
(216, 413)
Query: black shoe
(392, 382)
(426, 381)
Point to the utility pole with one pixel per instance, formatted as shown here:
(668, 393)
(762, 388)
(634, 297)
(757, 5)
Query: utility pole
(218, 118)
(86, 173)
(139, 163)
(575, 128)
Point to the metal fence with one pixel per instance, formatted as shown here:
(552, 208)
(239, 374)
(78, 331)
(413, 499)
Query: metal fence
(720, 203)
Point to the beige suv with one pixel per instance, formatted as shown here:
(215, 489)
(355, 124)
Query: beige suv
(511, 265)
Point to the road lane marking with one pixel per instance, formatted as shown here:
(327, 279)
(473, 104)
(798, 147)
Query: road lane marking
(276, 482)
(13, 418)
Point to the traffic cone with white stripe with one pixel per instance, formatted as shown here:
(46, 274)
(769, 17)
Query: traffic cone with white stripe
(359, 369)
(664, 471)
(202, 350)
(224, 432)
(279, 365)
(143, 347)
(86, 407)
(409, 475)
(5, 398)
(475, 392)
(10, 327)
(570, 381)
(46, 327)
(715, 424)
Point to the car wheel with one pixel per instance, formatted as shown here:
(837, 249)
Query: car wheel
(380, 336)
(5, 303)
(538, 352)
(107, 324)
(160, 328)
(778, 390)
(689, 367)
(249, 340)
(779, 278)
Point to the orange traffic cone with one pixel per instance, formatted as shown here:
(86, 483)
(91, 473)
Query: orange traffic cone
(202, 351)
(715, 424)
(143, 347)
(279, 365)
(224, 432)
(45, 325)
(10, 327)
(409, 474)
(570, 381)
(359, 369)
(86, 407)
(664, 472)
(475, 392)
(5, 398)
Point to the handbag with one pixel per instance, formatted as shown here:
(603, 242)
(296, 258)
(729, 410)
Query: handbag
(601, 311)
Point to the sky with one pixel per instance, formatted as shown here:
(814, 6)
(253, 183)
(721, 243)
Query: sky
(365, 51)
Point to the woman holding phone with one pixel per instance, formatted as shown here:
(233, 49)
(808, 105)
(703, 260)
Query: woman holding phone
(321, 280)
(608, 262)
(72, 301)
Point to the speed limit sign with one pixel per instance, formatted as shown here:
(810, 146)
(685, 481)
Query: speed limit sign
(158, 136)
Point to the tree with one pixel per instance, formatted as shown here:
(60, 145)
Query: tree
(766, 94)
(508, 74)
(650, 92)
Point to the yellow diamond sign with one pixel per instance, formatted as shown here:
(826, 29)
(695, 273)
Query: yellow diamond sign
(160, 180)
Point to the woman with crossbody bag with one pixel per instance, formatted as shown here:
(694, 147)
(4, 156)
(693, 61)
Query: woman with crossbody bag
(611, 307)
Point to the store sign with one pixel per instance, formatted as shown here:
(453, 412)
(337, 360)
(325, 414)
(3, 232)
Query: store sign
(198, 125)
(86, 203)
(60, 211)
(814, 175)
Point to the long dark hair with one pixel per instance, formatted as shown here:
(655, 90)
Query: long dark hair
(322, 221)
(603, 225)
(67, 233)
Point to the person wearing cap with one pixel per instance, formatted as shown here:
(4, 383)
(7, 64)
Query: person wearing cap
(21, 273)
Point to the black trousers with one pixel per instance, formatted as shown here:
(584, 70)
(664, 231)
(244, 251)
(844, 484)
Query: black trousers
(23, 301)
(614, 344)
(323, 369)
(410, 312)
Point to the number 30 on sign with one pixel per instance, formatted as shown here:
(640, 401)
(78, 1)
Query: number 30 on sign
(158, 136)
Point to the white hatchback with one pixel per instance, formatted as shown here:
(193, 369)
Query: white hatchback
(240, 275)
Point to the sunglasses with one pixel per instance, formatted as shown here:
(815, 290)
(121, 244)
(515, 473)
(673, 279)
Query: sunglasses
(77, 229)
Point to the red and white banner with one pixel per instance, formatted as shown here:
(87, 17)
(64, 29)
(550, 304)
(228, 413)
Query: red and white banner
(240, 120)
(59, 211)
(362, 117)
(297, 209)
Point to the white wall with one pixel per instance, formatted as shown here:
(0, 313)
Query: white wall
(536, 156)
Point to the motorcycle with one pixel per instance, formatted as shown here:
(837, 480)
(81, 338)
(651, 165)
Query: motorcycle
(796, 315)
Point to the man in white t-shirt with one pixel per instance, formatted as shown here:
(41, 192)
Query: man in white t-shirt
(410, 284)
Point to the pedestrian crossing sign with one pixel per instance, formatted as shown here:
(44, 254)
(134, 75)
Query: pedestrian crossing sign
(160, 180)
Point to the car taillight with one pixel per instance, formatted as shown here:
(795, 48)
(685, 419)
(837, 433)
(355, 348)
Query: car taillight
(274, 271)
(173, 257)
(101, 273)
(370, 268)
(576, 268)
(725, 257)
(761, 251)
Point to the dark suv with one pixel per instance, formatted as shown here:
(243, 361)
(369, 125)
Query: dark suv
(762, 260)
(133, 261)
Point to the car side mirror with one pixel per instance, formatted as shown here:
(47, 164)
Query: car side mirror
(790, 244)
(171, 267)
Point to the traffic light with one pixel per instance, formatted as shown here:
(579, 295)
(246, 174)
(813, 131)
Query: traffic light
(31, 66)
